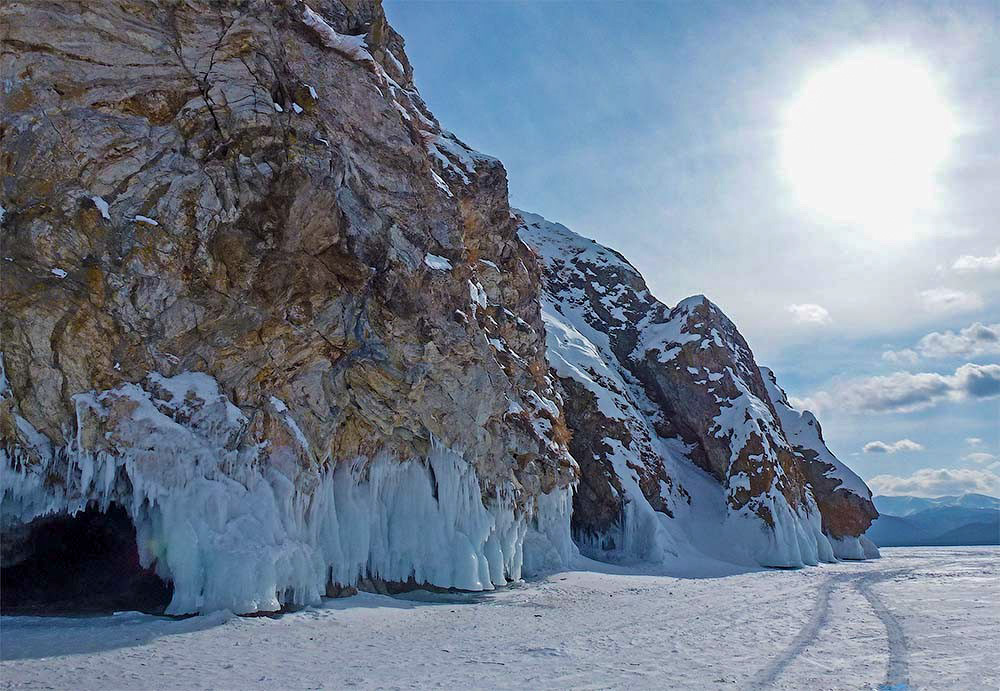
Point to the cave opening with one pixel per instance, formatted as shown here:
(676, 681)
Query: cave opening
(86, 563)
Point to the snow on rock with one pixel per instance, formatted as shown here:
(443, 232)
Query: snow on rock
(680, 449)
(234, 528)
(145, 219)
(353, 47)
(436, 262)
(61, 273)
(102, 206)
(844, 499)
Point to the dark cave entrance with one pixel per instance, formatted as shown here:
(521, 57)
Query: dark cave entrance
(82, 564)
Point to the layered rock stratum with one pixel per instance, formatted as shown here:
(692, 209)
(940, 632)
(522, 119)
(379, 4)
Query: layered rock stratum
(258, 300)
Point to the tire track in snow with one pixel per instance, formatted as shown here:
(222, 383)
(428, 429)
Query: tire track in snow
(766, 677)
(897, 676)
(897, 672)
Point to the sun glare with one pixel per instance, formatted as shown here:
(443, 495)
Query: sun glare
(865, 139)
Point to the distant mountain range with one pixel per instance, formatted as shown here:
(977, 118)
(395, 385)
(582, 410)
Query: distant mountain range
(970, 519)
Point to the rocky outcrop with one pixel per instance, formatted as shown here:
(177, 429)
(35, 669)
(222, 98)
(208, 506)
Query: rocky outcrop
(243, 265)
(844, 500)
(655, 391)
(270, 320)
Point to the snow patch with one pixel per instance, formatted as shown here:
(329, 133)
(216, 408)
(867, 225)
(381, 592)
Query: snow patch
(102, 206)
(436, 262)
(353, 47)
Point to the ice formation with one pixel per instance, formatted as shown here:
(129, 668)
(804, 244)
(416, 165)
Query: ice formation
(234, 527)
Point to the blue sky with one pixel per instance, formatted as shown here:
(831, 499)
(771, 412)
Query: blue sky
(657, 129)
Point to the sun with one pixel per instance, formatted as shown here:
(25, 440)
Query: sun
(866, 138)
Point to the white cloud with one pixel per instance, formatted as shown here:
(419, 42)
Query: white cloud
(977, 339)
(928, 482)
(981, 457)
(950, 300)
(907, 356)
(973, 441)
(904, 392)
(893, 447)
(809, 313)
(969, 263)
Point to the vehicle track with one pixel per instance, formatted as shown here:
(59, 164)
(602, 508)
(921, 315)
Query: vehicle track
(897, 671)
(897, 675)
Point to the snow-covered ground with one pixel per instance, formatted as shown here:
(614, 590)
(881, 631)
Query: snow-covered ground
(917, 618)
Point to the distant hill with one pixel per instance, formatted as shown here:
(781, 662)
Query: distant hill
(906, 505)
(971, 519)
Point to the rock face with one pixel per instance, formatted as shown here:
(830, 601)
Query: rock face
(652, 392)
(247, 276)
(276, 326)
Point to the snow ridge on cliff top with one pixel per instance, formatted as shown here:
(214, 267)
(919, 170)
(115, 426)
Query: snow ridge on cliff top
(802, 429)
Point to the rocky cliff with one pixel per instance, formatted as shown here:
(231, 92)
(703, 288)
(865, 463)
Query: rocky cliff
(276, 326)
(653, 393)
(255, 294)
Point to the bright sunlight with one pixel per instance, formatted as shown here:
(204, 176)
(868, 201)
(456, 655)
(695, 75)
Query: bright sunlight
(864, 140)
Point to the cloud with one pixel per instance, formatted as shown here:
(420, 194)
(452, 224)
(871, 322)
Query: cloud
(950, 300)
(968, 263)
(981, 457)
(977, 339)
(973, 441)
(901, 445)
(928, 482)
(904, 392)
(809, 313)
(907, 356)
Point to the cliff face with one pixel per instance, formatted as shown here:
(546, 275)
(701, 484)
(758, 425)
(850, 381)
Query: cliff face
(262, 310)
(655, 391)
(241, 260)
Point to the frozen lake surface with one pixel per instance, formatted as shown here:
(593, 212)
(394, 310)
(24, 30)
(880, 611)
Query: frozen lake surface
(921, 618)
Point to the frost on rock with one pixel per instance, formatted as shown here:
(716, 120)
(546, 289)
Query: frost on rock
(235, 528)
(681, 453)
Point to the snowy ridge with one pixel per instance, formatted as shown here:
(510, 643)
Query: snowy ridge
(243, 526)
(803, 430)
(690, 449)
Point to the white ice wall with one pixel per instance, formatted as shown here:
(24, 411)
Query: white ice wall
(231, 531)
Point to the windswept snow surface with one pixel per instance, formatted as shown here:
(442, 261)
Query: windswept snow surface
(919, 618)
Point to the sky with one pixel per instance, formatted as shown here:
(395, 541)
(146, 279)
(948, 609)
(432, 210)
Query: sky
(827, 173)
